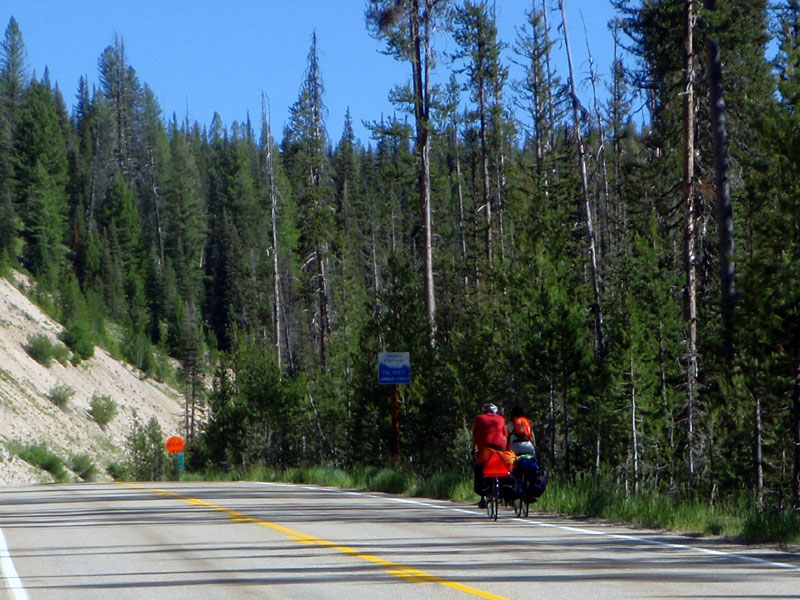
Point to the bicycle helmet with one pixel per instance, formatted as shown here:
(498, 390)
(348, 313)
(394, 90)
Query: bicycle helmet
(489, 408)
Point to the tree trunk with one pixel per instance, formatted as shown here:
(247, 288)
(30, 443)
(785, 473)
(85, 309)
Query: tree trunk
(565, 400)
(723, 192)
(286, 332)
(186, 400)
(273, 202)
(462, 228)
(156, 212)
(663, 385)
(500, 163)
(634, 432)
(552, 419)
(796, 434)
(500, 204)
(690, 234)
(486, 187)
(276, 273)
(420, 66)
(323, 293)
(551, 105)
(758, 453)
(616, 122)
(602, 220)
(193, 418)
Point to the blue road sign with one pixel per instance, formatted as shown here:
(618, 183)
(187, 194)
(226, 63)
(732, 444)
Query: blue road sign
(394, 367)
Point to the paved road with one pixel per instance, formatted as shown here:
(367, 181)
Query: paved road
(249, 540)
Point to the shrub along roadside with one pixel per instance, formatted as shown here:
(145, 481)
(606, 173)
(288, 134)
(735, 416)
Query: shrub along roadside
(77, 336)
(42, 458)
(43, 351)
(83, 467)
(61, 394)
(733, 519)
(103, 409)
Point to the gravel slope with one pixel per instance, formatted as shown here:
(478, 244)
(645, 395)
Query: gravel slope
(28, 416)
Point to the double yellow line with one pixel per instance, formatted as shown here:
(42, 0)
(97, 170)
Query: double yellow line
(403, 572)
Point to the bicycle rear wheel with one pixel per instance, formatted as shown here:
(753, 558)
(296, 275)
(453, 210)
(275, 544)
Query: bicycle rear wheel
(492, 500)
(519, 506)
(522, 501)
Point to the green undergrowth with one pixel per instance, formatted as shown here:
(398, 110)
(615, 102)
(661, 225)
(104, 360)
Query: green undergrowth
(41, 457)
(451, 486)
(735, 518)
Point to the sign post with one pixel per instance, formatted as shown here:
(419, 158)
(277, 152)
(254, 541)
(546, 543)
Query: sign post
(175, 445)
(395, 439)
(394, 368)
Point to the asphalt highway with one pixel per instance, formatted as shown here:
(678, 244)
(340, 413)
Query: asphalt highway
(198, 541)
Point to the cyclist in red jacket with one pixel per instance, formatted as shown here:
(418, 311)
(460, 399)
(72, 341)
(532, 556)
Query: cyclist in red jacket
(489, 429)
(488, 434)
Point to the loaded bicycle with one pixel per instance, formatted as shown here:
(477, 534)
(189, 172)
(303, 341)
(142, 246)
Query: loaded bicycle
(518, 487)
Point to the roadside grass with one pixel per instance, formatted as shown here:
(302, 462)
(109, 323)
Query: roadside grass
(735, 518)
(604, 500)
(776, 527)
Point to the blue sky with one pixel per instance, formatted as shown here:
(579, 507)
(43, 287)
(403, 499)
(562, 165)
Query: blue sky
(212, 55)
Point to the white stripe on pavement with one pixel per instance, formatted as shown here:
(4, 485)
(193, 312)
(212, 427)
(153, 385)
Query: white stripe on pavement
(9, 572)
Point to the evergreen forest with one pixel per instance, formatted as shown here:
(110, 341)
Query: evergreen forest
(626, 270)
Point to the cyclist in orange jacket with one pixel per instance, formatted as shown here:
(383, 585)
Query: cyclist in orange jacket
(520, 433)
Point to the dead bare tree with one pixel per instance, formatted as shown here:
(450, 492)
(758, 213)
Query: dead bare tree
(576, 113)
(267, 146)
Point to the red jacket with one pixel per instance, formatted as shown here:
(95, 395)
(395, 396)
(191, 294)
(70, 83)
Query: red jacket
(489, 429)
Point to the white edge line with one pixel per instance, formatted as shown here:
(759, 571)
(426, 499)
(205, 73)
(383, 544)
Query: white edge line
(9, 572)
(630, 538)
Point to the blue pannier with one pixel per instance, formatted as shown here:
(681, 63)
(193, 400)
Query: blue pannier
(531, 477)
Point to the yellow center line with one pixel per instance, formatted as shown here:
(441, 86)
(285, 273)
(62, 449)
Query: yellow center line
(397, 570)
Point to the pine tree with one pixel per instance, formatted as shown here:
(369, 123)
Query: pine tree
(13, 76)
(121, 89)
(476, 32)
(304, 153)
(237, 236)
(537, 92)
(456, 225)
(739, 28)
(184, 215)
(151, 149)
(769, 341)
(41, 178)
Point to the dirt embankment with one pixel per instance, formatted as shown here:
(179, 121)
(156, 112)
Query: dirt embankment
(28, 416)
